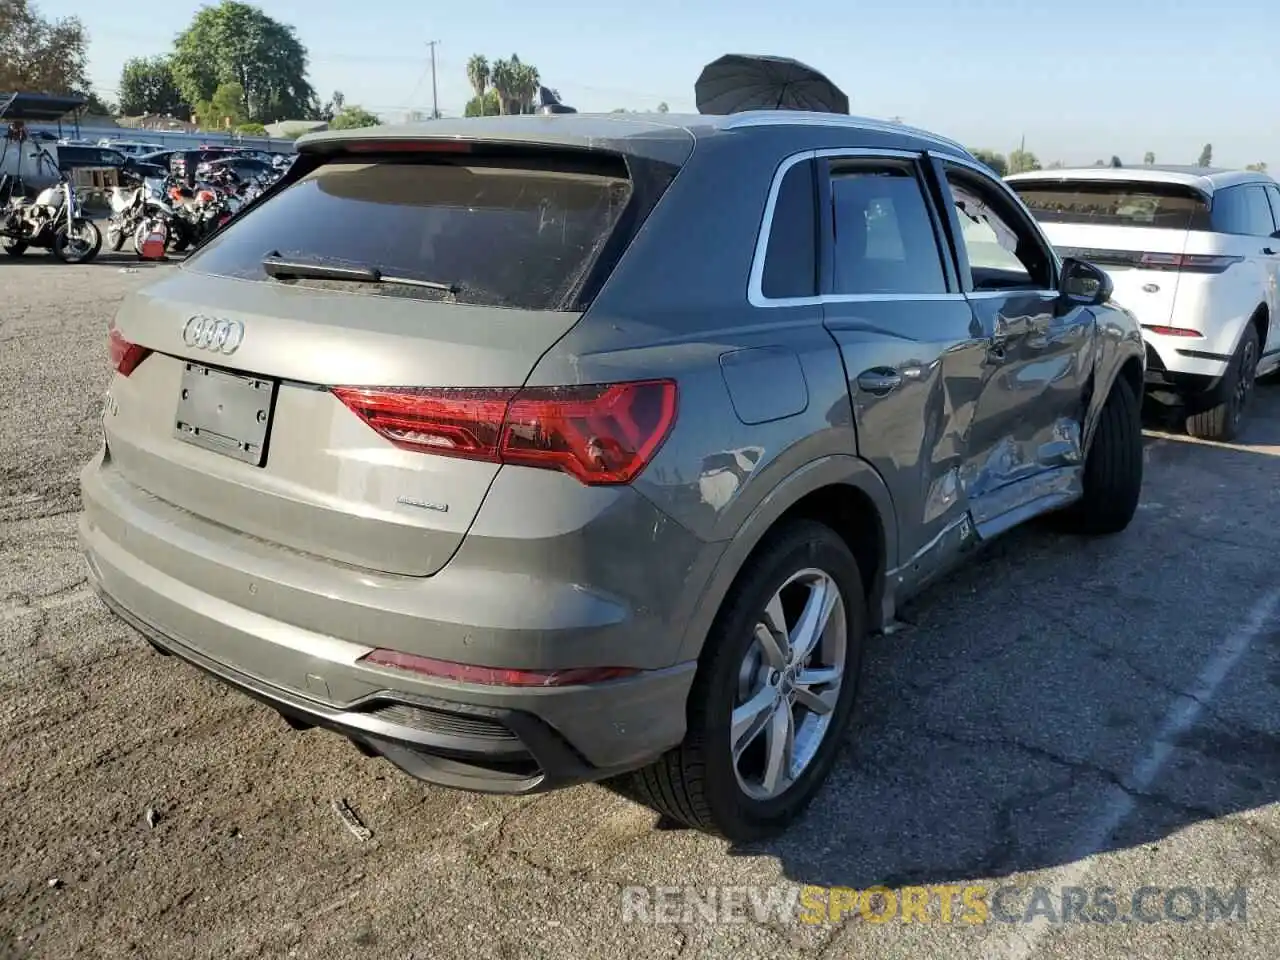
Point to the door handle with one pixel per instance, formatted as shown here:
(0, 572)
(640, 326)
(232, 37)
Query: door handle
(879, 380)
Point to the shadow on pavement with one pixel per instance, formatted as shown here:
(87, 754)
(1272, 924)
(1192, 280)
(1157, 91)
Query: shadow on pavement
(994, 733)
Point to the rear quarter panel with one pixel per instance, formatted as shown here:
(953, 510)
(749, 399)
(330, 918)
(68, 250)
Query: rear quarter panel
(677, 307)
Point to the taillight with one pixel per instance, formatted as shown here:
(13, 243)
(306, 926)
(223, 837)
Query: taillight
(601, 434)
(125, 356)
(1195, 262)
(497, 676)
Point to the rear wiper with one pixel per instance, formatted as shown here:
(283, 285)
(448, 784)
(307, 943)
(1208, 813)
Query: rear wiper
(280, 268)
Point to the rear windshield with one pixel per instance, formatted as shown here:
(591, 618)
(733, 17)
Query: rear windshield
(1115, 203)
(511, 233)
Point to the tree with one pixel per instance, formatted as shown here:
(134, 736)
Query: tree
(995, 161)
(236, 43)
(224, 109)
(663, 108)
(1115, 162)
(1206, 156)
(1023, 161)
(353, 116)
(516, 84)
(1257, 167)
(95, 106)
(147, 86)
(486, 106)
(478, 75)
(329, 110)
(1149, 158)
(39, 55)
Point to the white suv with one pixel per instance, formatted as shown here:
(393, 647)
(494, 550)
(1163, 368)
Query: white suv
(1195, 254)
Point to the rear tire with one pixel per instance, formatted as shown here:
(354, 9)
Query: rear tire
(1112, 469)
(1223, 420)
(115, 238)
(701, 783)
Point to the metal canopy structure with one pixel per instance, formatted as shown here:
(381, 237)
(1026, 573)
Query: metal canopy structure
(37, 107)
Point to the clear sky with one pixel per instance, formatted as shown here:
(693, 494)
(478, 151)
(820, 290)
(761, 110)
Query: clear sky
(1081, 80)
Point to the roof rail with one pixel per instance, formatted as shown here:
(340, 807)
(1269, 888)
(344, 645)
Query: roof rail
(761, 118)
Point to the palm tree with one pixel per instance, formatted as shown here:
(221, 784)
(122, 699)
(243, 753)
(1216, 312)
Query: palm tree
(479, 74)
(502, 79)
(526, 85)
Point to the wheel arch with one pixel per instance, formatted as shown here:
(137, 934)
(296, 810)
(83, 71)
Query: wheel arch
(1261, 320)
(842, 491)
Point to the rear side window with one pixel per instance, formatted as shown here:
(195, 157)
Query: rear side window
(509, 234)
(1115, 203)
(884, 241)
(1243, 210)
(791, 260)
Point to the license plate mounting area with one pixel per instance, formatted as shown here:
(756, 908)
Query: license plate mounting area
(227, 413)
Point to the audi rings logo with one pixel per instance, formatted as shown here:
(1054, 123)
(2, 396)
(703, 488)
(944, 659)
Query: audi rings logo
(213, 333)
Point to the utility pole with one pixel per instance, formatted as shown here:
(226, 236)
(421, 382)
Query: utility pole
(435, 102)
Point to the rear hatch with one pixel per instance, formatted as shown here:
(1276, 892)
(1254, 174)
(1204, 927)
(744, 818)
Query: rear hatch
(250, 396)
(1135, 230)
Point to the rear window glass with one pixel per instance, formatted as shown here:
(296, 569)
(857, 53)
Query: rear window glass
(1117, 204)
(500, 234)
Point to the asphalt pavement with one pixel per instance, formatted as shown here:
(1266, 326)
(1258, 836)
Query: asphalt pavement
(1064, 724)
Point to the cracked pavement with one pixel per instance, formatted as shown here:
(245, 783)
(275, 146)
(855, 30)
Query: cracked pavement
(1013, 719)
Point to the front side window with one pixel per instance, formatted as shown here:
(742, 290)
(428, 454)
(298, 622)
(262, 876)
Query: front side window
(1004, 251)
(883, 238)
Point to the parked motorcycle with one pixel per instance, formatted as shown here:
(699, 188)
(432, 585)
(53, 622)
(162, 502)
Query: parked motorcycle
(53, 221)
(128, 206)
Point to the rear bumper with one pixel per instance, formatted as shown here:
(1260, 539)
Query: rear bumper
(462, 735)
(1172, 371)
(487, 750)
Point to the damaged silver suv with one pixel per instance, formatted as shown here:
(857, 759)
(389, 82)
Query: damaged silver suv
(528, 451)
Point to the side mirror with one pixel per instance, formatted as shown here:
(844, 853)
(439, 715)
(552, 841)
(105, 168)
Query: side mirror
(1083, 284)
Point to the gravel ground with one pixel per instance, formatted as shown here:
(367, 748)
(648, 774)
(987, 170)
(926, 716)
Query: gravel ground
(1062, 713)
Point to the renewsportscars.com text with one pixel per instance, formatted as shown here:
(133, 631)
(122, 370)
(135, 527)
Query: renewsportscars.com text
(972, 904)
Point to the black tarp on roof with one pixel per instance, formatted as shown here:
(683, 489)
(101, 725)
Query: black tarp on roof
(37, 107)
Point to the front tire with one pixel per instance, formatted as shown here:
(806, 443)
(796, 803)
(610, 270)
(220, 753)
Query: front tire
(1112, 469)
(14, 248)
(115, 237)
(80, 247)
(773, 692)
(1223, 420)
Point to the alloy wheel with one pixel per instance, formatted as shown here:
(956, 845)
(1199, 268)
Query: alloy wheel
(788, 684)
(1245, 378)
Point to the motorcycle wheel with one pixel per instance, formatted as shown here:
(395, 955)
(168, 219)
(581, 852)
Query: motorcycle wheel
(81, 247)
(115, 237)
(14, 248)
(179, 237)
